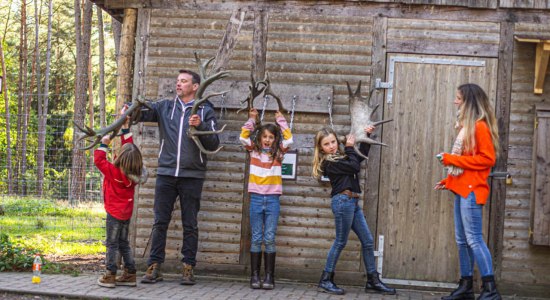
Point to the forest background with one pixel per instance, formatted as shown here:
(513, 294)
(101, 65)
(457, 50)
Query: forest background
(58, 66)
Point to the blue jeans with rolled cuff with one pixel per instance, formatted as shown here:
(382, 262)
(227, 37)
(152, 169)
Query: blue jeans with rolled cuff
(264, 215)
(117, 241)
(348, 215)
(469, 237)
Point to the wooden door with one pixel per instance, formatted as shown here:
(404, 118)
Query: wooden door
(416, 221)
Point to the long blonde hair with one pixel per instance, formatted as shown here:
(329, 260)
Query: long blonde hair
(129, 161)
(476, 107)
(319, 156)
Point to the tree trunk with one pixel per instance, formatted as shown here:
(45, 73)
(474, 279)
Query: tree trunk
(125, 58)
(78, 170)
(44, 103)
(101, 88)
(27, 99)
(4, 88)
(117, 32)
(22, 95)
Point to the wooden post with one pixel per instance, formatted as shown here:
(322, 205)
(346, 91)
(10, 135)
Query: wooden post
(125, 58)
(259, 50)
(498, 186)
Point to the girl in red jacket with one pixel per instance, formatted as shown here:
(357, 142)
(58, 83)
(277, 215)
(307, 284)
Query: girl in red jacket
(469, 164)
(121, 177)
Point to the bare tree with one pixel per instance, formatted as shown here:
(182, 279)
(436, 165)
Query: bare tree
(43, 103)
(23, 123)
(117, 32)
(101, 68)
(78, 170)
(4, 88)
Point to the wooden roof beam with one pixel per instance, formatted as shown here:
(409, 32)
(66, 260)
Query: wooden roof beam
(542, 56)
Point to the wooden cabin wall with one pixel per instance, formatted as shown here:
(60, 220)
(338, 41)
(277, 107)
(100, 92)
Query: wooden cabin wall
(523, 263)
(328, 51)
(172, 38)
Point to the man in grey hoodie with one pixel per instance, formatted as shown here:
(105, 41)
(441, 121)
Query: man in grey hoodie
(181, 172)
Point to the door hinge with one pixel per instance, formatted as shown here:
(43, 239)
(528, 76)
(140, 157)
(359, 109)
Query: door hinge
(383, 85)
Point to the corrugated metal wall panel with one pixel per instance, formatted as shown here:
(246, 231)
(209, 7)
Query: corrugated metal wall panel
(316, 51)
(521, 262)
(174, 35)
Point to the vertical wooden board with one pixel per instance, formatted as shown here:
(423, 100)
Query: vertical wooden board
(540, 209)
(414, 218)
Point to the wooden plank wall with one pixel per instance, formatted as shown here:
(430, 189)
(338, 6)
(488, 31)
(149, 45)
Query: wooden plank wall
(174, 35)
(327, 51)
(467, 3)
(533, 4)
(445, 37)
(523, 263)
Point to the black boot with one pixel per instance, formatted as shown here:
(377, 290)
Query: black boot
(327, 285)
(255, 262)
(374, 285)
(464, 291)
(489, 289)
(269, 279)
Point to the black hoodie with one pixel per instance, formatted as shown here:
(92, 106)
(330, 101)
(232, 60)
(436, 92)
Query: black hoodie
(178, 154)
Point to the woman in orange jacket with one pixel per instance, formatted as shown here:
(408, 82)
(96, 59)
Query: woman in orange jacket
(468, 165)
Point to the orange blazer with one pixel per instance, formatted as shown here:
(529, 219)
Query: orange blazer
(476, 165)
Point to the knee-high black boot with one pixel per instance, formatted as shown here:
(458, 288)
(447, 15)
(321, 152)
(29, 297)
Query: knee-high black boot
(269, 279)
(255, 262)
(489, 289)
(375, 285)
(327, 285)
(464, 291)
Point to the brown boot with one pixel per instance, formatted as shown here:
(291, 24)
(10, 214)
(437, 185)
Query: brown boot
(153, 274)
(126, 279)
(107, 280)
(188, 276)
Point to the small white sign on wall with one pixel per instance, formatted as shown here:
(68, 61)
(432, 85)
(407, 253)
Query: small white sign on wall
(289, 165)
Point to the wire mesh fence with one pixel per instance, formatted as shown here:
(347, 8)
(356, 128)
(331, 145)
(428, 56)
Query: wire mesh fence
(48, 216)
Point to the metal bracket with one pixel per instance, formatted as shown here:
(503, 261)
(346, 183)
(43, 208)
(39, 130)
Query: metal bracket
(422, 60)
(383, 85)
(380, 254)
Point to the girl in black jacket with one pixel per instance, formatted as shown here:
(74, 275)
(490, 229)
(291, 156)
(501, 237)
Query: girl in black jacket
(342, 170)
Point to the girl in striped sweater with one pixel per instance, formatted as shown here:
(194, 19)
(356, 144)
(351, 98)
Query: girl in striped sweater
(267, 145)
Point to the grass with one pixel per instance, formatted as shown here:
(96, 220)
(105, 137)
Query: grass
(54, 227)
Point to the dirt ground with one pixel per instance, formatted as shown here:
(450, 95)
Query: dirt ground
(89, 264)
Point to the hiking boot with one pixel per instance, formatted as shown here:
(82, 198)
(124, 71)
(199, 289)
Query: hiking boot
(153, 274)
(126, 279)
(107, 280)
(188, 276)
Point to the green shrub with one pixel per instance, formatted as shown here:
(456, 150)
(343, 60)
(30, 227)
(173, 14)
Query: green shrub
(15, 257)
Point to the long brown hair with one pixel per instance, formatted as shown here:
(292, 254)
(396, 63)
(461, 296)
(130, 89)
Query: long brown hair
(275, 147)
(476, 107)
(319, 156)
(129, 161)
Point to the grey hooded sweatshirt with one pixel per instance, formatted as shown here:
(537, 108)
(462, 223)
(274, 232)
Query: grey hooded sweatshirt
(178, 154)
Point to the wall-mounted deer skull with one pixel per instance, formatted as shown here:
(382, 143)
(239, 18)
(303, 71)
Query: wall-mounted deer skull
(361, 113)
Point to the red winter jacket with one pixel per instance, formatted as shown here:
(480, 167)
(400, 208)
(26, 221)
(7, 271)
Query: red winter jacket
(118, 190)
(477, 167)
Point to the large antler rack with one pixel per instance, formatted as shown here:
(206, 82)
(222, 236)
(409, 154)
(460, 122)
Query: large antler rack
(89, 134)
(258, 88)
(206, 80)
(362, 112)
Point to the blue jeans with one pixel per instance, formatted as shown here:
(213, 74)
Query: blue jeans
(117, 240)
(264, 215)
(167, 190)
(469, 237)
(348, 215)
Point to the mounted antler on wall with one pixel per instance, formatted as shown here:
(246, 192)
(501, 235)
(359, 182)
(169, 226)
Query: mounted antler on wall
(193, 132)
(361, 113)
(256, 89)
(133, 112)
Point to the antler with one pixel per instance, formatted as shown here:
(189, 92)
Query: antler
(257, 88)
(133, 111)
(193, 132)
(361, 113)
